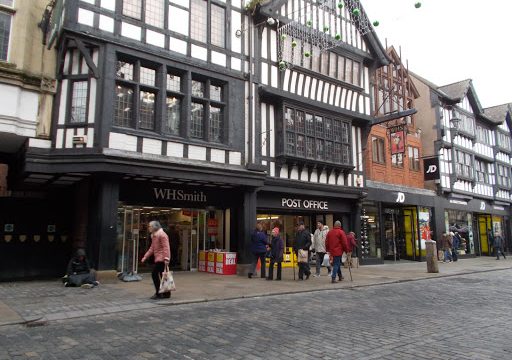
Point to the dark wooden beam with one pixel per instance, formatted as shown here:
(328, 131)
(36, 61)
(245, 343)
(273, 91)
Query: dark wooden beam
(393, 116)
(87, 57)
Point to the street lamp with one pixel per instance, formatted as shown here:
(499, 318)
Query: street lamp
(455, 121)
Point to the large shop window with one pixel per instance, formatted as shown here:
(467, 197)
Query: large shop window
(317, 137)
(461, 222)
(136, 103)
(5, 29)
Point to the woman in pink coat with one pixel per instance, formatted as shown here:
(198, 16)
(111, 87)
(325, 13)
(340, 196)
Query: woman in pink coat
(160, 249)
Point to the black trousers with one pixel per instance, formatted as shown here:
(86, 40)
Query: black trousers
(304, 269)
(271, 269)
(499, 250)
(156, 275)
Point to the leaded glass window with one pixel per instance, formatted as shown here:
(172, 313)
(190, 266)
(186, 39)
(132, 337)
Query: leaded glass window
(79, 102)
(147, 110)
(123, 112)
(199, 20)
(172, 125)
(132, 8)
(216, 124)
(196, 121)
(218, 26)
(5, 32)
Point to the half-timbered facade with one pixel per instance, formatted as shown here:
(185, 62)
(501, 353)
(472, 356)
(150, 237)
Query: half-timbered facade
(181, 111)
(470, 161)
(311, 116)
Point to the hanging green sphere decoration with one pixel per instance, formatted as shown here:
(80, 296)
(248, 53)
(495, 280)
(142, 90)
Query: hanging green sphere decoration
(356, 12)
(417, 5)
(283, 37)
(326, 28)
(376, 23)
(340, 5)
(309, 23)
(307, 54)
(294, 43)
(282, 65)
(337, 36)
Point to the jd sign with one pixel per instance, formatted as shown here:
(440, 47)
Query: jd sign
(400, 197)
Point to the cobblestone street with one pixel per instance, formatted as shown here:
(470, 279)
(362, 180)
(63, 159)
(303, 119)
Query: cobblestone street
(458, 317)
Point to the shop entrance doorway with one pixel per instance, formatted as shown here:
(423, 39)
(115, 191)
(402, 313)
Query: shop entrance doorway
(485, 234)
(189, 231)
(401, 234)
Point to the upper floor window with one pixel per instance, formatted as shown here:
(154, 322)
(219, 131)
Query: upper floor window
(463, 164)
(207, 118)
(378, 153)
(79, 96)
(504, 176)
(504, 140)
(136, 93)
(327, 63)
(466, 124)
(483, 135)
(414, 158)
(314, 136)
(191, 107)
(5, 28)
(481, 172)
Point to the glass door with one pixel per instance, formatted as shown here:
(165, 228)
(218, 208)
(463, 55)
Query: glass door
(128, 240)
(197, 238)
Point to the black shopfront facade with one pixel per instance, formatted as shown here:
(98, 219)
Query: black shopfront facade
(285, 203)
(398, 223)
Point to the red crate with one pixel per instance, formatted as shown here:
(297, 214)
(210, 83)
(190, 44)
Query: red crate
(225, 263)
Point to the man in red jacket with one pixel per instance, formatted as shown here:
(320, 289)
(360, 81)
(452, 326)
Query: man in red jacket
(336, 244)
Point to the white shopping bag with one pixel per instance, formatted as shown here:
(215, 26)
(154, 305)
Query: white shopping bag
(167, 282)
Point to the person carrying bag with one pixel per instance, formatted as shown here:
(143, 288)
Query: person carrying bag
(167, 282)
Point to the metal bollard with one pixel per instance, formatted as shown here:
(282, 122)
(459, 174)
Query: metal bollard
(432, 265)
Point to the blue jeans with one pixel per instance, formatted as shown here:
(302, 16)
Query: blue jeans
(336, 267)
(448, 255)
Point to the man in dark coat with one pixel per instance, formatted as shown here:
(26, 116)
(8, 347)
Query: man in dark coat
(302, 241)
(498, 246)
(276, 254)
(259, 249)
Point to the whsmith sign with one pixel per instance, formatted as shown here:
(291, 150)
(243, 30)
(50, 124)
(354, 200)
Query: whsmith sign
(152, 194)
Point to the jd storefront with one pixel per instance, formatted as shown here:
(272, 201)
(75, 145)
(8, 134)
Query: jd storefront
(477, 222)
(195, 219)
(397, 224)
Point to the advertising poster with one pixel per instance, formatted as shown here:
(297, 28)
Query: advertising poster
(424, 219)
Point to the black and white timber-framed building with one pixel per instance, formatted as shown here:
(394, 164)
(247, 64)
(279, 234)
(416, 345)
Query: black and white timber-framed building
(176, 110)
(473, 148)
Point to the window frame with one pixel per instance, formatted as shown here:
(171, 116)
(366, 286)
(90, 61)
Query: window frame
(311, 135)
(414, 158)
(378, 157)
(9, 11)
(137, 86)
(69, 109)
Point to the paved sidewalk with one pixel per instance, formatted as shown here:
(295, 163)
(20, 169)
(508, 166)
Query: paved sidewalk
(37, 302)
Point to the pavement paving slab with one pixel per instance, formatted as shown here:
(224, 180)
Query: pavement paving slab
(38, 302)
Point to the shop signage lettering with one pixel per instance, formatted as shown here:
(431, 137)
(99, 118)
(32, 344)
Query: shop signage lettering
(431, 167)
(400, 197)
(482, 205)
(304, 204)
(458, 202)
(499, 208)
(179, 195)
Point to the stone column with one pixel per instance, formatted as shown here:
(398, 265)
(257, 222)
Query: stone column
(432, 265)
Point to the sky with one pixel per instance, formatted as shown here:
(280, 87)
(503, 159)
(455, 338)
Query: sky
(447, 41)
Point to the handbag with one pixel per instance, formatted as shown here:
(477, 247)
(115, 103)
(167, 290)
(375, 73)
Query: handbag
(167, 282)
(302, 256)
(325, 261)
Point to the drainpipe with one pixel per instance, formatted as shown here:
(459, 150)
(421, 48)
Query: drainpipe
(250, 140)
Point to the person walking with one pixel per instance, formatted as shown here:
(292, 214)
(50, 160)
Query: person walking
(447, 246)
(498, 246)
(161, 250)
(276, 254)
(351, 245)
(456, 240)
(336, 244)
(319, 246)
(302, 242)
(259, 249)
